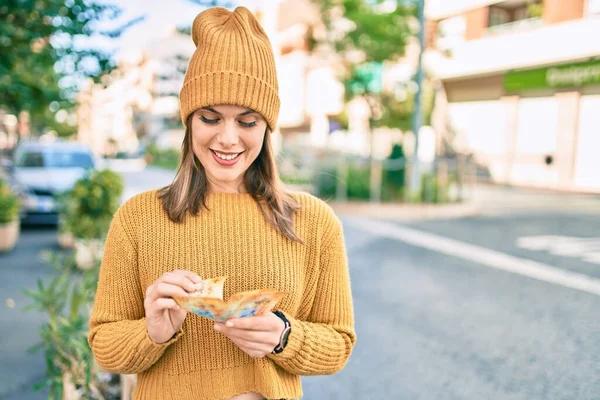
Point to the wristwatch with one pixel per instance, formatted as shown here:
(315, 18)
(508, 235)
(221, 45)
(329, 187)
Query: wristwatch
(284, 335)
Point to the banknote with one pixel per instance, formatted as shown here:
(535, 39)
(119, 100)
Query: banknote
(208, 301)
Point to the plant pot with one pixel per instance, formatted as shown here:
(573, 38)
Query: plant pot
(88, 252)
(9, 235)
(66, 240)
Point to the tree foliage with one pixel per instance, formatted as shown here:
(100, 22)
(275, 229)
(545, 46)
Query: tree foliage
(379, 29)
(368, 34)
(45, 52)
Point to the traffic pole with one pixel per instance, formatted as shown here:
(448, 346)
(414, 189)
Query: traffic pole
(415, 178)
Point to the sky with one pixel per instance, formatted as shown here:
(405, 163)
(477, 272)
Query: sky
(161, 16)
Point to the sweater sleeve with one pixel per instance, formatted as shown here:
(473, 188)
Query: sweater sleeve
(323, 343)
(118, 335)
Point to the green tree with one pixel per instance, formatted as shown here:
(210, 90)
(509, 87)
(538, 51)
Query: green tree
(44, 54)
(367, 34)
(380, 29)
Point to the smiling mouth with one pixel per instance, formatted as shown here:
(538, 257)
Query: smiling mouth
(226, 156)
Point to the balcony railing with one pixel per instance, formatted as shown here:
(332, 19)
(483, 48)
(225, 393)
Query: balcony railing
(515, 26)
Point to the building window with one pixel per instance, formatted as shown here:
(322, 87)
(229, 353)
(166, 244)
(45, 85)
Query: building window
(514, 14)
(499, 16)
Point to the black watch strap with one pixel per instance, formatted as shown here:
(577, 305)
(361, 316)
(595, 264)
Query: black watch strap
(284, 335)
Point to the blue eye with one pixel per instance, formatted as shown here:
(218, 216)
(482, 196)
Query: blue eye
(248, 125)
(208, 121)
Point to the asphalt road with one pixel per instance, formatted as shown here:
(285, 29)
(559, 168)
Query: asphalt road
(430, 325)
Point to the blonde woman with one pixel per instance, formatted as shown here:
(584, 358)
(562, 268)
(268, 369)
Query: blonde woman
(224, 214)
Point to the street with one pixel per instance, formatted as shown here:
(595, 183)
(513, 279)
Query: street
(493, 313)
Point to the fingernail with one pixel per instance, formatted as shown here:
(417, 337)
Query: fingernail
(217, 328)
(229, 324)
(197, 279)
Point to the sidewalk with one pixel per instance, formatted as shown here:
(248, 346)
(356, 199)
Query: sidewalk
(484, 200)
(405, 212)
(499, 200)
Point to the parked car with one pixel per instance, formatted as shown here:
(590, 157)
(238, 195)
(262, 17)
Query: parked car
(40, 171)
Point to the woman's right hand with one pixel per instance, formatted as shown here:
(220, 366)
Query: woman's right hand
(164, 317)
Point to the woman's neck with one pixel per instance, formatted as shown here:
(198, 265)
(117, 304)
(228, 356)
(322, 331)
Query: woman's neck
(216, 188)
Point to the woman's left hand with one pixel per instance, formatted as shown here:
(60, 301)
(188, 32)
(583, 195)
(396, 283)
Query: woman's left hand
(256, 336)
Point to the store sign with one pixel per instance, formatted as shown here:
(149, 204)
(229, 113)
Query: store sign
(572, 75)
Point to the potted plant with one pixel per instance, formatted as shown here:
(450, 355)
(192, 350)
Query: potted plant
(66, 300)
(89, 235)
(9, 218)
(89, 208)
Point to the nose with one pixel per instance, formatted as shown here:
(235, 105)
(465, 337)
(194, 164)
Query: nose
(228, 135)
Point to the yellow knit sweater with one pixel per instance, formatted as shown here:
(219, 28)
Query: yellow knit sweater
(232, 238)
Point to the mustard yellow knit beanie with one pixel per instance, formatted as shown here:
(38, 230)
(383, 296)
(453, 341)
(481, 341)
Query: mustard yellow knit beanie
(233, 64)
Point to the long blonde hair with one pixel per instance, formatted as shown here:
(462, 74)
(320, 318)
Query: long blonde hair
(189, 189)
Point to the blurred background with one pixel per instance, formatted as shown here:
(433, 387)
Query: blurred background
(474, 245)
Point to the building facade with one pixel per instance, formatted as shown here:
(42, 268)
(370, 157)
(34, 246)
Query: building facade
(107, 114)
(522, 87)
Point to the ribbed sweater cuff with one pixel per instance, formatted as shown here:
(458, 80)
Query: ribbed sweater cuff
(149, 351)
(152, 345)
(129, 349)
(295, 341)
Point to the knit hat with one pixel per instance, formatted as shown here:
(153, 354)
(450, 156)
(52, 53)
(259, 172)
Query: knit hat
(233, 64)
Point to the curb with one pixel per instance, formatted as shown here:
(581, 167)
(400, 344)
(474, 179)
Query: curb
(405, 212)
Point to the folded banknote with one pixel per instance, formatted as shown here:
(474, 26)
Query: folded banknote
(207, 301)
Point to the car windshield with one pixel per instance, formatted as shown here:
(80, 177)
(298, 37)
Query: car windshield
(55, 159)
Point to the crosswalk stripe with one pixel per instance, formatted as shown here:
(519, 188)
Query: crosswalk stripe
(567, 246)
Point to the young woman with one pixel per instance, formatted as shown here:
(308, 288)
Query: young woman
(225, 214)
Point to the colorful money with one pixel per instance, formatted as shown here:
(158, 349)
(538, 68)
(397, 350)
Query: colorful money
(208, 301)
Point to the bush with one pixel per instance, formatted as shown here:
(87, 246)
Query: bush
(164, 158)
(9, 204)
(71, 371)
(88, 208)
(394, 180)
(357, 180)
(324, 181)
(295, 180)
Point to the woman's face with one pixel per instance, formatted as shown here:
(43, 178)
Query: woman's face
(227, 139)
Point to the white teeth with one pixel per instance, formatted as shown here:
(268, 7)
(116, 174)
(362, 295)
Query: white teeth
(226, 156)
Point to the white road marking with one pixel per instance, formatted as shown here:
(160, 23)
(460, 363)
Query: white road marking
(585, 248)
(480, 255)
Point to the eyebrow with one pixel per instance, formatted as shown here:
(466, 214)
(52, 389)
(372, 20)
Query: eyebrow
(218, 113)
